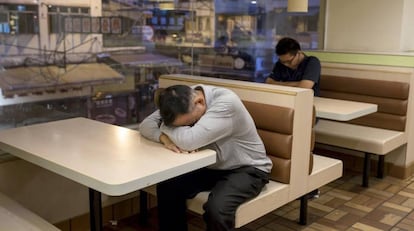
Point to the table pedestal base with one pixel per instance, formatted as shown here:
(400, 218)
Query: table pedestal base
(95, 210)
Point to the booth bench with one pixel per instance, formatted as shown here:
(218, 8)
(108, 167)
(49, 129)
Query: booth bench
(378, 133)
(284, 117)
(14, 216)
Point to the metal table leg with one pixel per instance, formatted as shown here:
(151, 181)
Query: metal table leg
(367, 169)
(95, 210)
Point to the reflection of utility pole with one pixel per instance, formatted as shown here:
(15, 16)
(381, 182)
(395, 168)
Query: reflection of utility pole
(64, 52)
(192, 18)
(64, 45)
(64, 49)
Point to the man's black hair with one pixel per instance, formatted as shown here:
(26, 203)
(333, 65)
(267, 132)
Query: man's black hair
(287, 45)
(173, 101)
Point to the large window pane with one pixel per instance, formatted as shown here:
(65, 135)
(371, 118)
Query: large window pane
(190, 30)
(194, 33)
(232, 39)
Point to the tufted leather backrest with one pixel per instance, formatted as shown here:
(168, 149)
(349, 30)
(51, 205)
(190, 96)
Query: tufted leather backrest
(275, 126)
(391, 98)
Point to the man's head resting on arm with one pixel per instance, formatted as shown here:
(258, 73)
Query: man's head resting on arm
(287, 45)
(181, 105)
(288, 51)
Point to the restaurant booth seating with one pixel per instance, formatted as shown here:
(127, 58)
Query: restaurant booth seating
(15, 217)
(284, 117)
(378, 133)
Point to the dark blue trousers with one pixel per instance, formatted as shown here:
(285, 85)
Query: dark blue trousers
(229, 189)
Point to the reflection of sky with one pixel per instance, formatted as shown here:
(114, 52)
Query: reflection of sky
(163, 21)
(4, 28)
(21, 8)
(154, 20)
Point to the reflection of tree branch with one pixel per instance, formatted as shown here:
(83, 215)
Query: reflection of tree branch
(47, 74)
(87, 41)
(80, 62)
(24, 47)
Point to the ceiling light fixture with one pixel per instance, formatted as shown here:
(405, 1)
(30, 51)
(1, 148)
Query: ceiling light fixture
(297, 6)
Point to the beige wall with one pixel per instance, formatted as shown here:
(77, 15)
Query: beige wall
(408, 28)
(369, 25)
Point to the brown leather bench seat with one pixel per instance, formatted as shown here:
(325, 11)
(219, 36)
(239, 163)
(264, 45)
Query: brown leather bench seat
(378, 133)
(14, 216)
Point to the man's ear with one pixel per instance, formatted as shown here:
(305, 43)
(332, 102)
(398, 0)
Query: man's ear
(200, 99)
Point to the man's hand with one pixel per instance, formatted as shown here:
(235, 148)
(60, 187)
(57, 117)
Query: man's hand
(164, 139)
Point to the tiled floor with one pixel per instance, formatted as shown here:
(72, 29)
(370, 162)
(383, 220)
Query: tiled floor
(388, 204)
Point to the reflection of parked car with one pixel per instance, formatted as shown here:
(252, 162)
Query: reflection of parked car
(240, 59)
(243, 63)
(233, 64)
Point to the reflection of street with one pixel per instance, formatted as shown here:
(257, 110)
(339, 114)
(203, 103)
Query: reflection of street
(224, 66)
(147, 67)
(146, 60)
(249, 62)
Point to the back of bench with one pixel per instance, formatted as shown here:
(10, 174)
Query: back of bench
(283, 117)
(391, 98)
(275, 126)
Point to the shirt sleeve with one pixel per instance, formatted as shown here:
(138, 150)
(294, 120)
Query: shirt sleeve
(275, 74)
(150, 126)
(313, 70)
(214, 125)
(280, 73)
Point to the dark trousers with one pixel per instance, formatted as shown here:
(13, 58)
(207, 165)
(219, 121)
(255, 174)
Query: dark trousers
(229, 189)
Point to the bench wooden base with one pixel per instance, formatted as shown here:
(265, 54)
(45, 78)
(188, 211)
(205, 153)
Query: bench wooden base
(369, 140)
(15, 217)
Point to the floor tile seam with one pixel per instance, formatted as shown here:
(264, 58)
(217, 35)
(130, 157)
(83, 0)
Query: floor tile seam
(404, 217)
(401, 219)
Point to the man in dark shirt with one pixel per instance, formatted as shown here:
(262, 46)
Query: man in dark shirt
(294, 68)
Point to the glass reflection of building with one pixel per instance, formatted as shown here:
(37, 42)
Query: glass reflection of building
(143, 40)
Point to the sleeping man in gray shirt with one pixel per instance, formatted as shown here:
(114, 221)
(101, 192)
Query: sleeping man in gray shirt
(199, 117)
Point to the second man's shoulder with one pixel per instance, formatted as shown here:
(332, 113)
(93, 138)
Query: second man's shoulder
(313, 60)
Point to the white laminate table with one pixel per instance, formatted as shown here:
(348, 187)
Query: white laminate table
(106, 158)
(342, 110)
